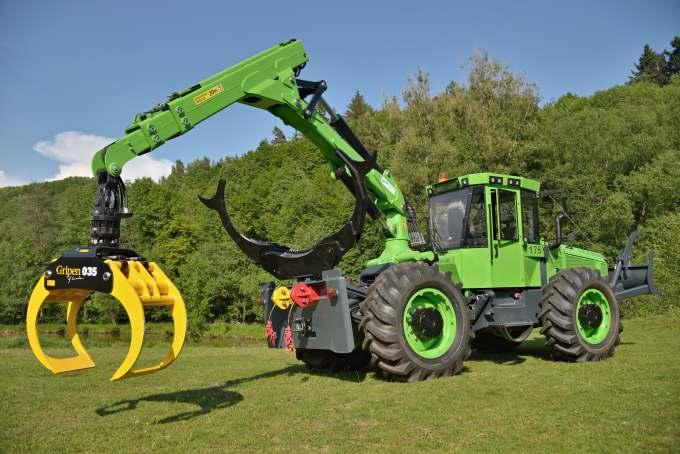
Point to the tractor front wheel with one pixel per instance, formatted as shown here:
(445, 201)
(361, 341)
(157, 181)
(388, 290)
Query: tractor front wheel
(580, 316)
(416, 323)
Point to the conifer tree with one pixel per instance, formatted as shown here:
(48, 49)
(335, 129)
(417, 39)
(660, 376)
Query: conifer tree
(651, 67)
(673, 58)
(357, 106)
(279, 136)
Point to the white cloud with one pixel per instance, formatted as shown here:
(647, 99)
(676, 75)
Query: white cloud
(9, 181)
(71, 147)
(74, 150)
(147, 166)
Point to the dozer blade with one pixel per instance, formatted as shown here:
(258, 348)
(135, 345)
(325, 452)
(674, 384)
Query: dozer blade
(628, 280)
(134, 283)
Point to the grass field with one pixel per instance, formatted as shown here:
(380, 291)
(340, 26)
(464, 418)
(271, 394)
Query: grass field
(249, 398)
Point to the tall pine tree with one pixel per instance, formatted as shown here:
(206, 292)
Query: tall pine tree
(279, 136)
(673, 56)
(357, 106)
(651, 67)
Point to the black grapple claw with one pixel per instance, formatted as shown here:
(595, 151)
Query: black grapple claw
(284, 262)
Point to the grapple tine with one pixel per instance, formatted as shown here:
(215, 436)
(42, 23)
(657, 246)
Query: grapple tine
(157, 290)
(74, 298)
(128, 298)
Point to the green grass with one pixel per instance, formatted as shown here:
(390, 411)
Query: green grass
(218, 329)
(104, 335)
(236, 399)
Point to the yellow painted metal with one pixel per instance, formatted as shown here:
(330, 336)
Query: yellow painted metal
(151, 288)
(74, 298)
(135, 287)
(281, 297)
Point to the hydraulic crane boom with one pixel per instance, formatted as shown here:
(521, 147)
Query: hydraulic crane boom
(268, 81)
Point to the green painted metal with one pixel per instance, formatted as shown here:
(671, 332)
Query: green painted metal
(483, 178)
(507, 263)
(265, 81)
(567, 256)
(594, 334)
(502, 263)
(187, 108)
(430, 348)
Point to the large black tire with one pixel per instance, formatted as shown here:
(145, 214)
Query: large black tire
(558, 316)
(326, 360)
(383, 330)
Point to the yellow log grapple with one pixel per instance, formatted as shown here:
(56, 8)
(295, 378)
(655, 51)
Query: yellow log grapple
(134, 282)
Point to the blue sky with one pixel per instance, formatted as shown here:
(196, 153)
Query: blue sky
(86, 67)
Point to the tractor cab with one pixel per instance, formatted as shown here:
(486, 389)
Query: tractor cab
(484, 229)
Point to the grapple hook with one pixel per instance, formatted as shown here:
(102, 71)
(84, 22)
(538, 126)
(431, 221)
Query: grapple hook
(285, 262)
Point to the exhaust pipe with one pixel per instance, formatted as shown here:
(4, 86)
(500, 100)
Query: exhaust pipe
(558, 231)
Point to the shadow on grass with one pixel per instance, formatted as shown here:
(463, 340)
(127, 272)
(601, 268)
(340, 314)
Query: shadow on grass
(223, 396)
(208, 399)
(219, 396)
(532, 347)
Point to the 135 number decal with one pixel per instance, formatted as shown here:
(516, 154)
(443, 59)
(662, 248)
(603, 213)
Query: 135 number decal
(534, 250)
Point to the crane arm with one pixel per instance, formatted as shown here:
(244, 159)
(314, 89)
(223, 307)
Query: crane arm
(269, 81)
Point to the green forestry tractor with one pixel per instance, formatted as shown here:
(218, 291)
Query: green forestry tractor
(484, 279)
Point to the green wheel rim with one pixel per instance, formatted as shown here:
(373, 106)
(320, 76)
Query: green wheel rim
(434, 347)
(594, 334)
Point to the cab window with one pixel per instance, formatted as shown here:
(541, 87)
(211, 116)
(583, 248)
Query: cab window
(447, 213)
(458, 219)
(530, 216)
(504, 209)
(476, 235)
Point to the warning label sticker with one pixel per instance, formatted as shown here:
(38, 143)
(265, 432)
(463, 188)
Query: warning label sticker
(210, 93)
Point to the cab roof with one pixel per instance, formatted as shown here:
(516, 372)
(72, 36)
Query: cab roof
(486, 179)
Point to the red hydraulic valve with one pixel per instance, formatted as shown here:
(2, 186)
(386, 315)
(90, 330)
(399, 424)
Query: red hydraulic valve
(305, 295)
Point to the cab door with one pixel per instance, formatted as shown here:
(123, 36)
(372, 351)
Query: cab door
(505, 247)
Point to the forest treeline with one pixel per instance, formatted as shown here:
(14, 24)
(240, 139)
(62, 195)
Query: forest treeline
(616, 152)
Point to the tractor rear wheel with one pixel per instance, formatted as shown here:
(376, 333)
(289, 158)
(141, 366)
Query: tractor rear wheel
(326, 360)
(416, 324)
(580, 316)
